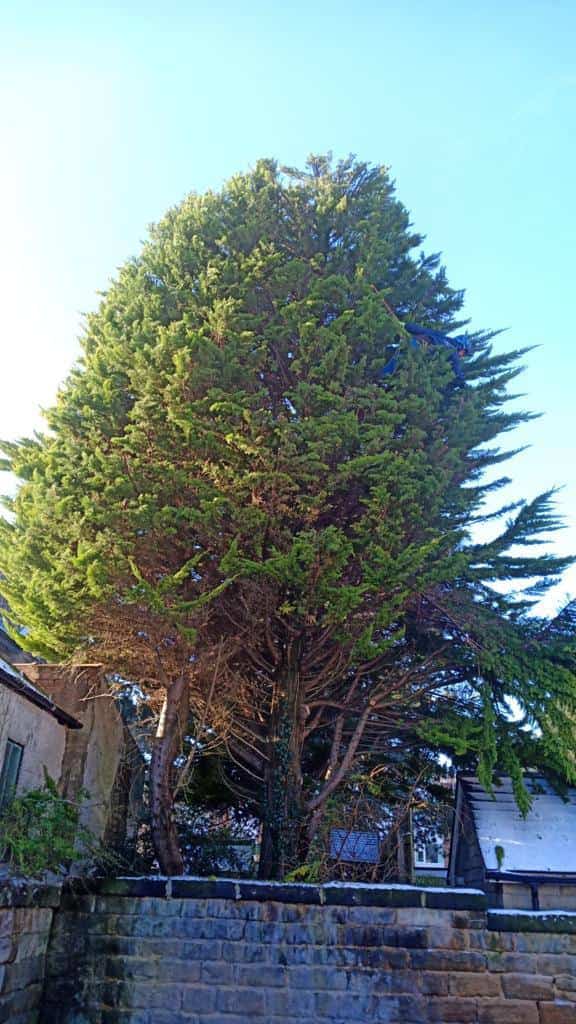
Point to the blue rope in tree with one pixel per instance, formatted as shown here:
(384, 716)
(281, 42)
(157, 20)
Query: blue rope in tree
(458, 347)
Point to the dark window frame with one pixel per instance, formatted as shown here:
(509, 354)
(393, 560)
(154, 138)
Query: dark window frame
(10, 775)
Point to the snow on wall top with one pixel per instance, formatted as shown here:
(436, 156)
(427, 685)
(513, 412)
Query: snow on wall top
(543, 841)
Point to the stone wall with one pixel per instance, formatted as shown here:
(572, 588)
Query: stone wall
(226, 952)
(26, 913)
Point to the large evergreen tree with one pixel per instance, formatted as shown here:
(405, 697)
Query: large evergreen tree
(234, 507)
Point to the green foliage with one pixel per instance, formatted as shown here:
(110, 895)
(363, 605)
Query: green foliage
(430, 881)
(311, 871)
(228, 414)
(41, 831)
(226, 470)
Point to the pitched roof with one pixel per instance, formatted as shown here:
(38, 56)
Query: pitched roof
(13, 680)
(9, 649)
(544, 842)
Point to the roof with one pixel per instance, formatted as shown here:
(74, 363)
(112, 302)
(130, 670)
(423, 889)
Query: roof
(8, 647)
(13, 680)
(542, 843)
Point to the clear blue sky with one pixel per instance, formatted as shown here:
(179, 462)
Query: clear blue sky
(112, 112)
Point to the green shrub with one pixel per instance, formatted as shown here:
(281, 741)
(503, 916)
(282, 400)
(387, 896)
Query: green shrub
(41, 831)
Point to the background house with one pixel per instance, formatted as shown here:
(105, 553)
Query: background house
(417, 848)
(525, 862)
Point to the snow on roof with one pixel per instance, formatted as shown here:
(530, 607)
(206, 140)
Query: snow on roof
(543, 841)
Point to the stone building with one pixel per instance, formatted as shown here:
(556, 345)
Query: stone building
(65, 721)
(101, 758)
(34, 732)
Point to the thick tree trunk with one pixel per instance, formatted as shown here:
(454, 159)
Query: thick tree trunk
(282, 831)
(281, 845)
(171, 728)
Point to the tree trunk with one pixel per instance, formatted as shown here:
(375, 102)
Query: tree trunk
(280, 849)
(171, 728)
(406, 850)
(281, 845)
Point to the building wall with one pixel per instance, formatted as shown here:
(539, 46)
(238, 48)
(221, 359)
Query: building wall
(93, 754)
(42, 737)
(226, 952)
(469, 868)
(550, 896)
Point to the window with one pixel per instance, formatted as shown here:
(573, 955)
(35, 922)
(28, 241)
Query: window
(10, 772)
(429, 851)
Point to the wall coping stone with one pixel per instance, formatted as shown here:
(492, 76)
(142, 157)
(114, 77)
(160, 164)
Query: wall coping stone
(20, 892)
(329, 894)
(559, 921)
